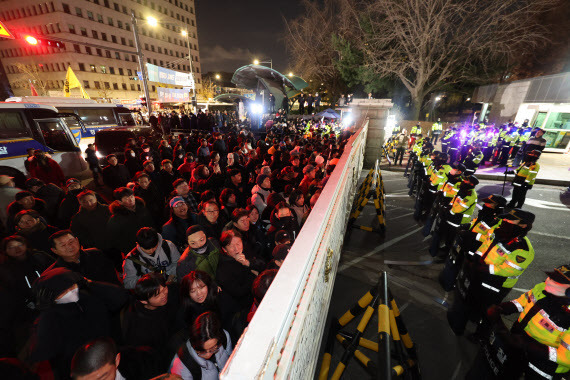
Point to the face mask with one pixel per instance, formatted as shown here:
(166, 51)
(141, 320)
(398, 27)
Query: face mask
(286, 219)
(133, 154)
(556, 289)
(69, 297)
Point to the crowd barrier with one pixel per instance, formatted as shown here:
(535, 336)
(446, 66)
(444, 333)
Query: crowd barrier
(283, 339)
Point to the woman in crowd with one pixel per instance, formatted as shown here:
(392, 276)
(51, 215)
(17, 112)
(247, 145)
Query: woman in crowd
(33, 227)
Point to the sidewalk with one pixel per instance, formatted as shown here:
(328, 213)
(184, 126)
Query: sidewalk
(554, 170)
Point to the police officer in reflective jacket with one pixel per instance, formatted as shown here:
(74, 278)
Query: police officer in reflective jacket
(538, 344)
(524, 178)
(495, 269)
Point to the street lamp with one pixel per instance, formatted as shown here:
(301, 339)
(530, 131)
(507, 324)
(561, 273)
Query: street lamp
(218, 76)
(154, 22)
(257, 62)
(290, 74)
(134, 25)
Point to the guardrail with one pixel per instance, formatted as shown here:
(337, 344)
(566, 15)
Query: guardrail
(283, 339)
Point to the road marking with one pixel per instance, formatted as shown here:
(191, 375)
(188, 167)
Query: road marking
(404, 306)
(401, 216)
(377, 249)
(546, 204)
(549, 235)
(521, 290)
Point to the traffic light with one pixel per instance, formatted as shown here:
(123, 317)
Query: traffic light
(40, 41)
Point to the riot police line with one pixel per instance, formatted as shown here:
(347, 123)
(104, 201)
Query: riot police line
(484, 255)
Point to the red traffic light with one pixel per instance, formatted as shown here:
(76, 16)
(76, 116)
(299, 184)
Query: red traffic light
(31, 40)
(39, 41)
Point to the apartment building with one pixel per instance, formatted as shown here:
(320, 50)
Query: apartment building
(99, 44)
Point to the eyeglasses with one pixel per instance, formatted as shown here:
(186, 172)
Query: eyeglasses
(212, 350)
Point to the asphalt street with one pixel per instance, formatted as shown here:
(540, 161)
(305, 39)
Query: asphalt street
(403, 252)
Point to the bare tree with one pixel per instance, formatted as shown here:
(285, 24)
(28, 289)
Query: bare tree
(208, 90)
(309, 40)
(30, 73)
(431, 43)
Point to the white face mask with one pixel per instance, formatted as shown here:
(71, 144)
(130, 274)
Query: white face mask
(556, 288)
(69, 297)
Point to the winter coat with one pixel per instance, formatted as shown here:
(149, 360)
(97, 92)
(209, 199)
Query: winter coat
(210, 371)
(52, 196)
(161, 260)
(68, 207)
(299, 212)
(116, 176)
(124, 224)
(175, 230)
(90, 227)
(7, 196)
(51, 174)
(259, 197)
(93, 265)
(207, 262)
(154, 201)
(212, 230)
(61, 329)
(236, 281)
(153, 328)
(288, 224)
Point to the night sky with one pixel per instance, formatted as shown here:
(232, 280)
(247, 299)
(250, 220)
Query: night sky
(232, 33)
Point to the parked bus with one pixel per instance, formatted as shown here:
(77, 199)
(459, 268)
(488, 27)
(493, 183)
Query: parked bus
(95, 116)
(26, 126)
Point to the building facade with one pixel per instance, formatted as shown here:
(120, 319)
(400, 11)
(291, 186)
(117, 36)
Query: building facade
(99, 44)
(543, 101)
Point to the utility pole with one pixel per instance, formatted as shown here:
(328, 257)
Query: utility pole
(141, 63)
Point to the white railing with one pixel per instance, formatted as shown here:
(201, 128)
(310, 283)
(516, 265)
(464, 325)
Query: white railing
(282, 341)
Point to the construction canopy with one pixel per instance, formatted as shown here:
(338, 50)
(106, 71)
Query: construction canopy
(259, 78)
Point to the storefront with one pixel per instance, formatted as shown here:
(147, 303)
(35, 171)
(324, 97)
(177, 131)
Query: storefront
(553, 118)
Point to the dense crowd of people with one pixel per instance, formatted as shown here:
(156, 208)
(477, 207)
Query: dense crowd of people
(165, 276)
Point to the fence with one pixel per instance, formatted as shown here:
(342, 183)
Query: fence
(282, 341)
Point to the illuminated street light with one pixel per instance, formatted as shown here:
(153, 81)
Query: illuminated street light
(437, 99)
(256, 108)
(290, 74)
(256, 61)
(184, 33)
(218, 76)
(152, 21)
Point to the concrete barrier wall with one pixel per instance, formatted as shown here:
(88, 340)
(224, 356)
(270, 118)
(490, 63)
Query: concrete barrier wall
(283, 339)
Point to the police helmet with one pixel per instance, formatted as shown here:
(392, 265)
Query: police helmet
(471, 180)
(443, 157)
(526, 217)
(496, 199)
(560, 274)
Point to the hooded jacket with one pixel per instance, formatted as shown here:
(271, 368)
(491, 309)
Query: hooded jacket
(132, 271)
(124, 224)
(288, 224)
(259, 197)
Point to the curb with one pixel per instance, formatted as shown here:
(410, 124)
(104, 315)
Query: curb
(494, 177)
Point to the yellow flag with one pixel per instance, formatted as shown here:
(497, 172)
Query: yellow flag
(71, 81)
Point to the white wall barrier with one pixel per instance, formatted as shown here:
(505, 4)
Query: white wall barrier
(283, 339)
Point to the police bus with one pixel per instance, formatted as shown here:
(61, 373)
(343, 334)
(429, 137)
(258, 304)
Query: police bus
(26, 126)
(94, 116)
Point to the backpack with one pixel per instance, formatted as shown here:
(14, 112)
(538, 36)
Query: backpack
(139, 261)
(189, 362)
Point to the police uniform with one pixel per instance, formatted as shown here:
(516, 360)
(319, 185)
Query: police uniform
(539, 341)
(486, 280)
(524, 179)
